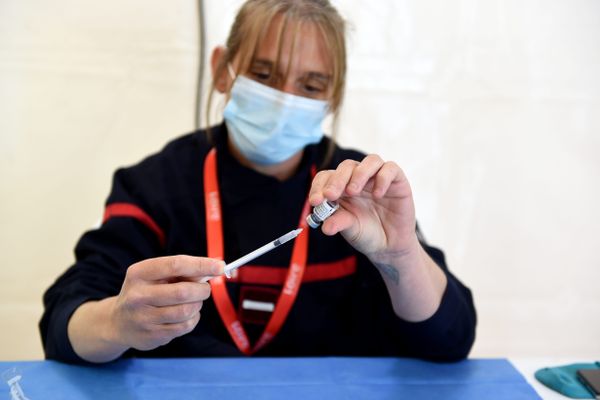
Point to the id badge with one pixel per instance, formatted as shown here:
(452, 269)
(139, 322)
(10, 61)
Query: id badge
(257, 304)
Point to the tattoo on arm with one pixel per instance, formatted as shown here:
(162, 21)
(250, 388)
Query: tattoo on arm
(389, 271)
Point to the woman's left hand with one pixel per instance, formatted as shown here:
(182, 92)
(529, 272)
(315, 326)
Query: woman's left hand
(376, 214)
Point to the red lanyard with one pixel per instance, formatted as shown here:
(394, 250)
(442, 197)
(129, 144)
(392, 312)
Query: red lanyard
(214, 239)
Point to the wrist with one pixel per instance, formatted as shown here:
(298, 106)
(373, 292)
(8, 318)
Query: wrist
(112, 334)
(92, 334)
(401, 258)
(414, 281)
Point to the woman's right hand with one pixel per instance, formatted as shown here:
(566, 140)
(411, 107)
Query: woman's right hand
(160, 299)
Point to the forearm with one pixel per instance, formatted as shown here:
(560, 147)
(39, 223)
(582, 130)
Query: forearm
(91, 332)
(415, 283)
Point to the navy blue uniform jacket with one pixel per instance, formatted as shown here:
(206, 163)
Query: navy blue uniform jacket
(156, 208)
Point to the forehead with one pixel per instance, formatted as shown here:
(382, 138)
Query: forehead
(303, 48)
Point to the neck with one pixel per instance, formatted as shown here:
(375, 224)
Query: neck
(281, 171)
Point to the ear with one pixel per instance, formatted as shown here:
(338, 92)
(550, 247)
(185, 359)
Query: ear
(222, 81)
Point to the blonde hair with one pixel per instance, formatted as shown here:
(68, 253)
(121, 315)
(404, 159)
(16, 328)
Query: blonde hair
(250, 27)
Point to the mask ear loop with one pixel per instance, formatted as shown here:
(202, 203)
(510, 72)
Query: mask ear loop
(232, 74)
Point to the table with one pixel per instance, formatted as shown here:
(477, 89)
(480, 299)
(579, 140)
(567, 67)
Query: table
(273, 378)
(528, 366)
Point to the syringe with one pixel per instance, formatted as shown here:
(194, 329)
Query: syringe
(256, 253)
(260, 251)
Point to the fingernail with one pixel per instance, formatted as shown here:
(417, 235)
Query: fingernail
(218, 267)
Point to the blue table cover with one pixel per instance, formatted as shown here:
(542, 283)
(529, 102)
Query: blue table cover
(272, 378)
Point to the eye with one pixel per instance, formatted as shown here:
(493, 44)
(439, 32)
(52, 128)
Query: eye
(262, 76)
(314, 87)
(261, 71)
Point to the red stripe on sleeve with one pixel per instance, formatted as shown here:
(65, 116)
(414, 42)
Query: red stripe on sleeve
(261, 275)
(133, 211)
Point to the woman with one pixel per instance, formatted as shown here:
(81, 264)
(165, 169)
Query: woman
(138, 285)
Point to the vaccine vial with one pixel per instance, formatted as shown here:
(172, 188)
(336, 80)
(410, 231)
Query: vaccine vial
(321, 213)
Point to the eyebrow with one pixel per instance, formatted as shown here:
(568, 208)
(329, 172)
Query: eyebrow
(260, 62)
(319, 76)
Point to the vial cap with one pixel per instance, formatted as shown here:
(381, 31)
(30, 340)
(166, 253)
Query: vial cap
(311, 222)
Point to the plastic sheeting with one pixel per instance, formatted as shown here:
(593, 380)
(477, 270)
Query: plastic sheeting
(275, 378)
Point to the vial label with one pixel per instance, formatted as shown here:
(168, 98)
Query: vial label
(321, 213)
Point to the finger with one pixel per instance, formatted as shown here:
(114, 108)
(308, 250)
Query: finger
(315, 196)
(338, 180)
(387, 174)
(175, 314)
(169, 331)
(170, 267)
(367, 168)
(340, 221)
(169, 294)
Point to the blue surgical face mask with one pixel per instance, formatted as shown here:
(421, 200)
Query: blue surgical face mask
(269, 126)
